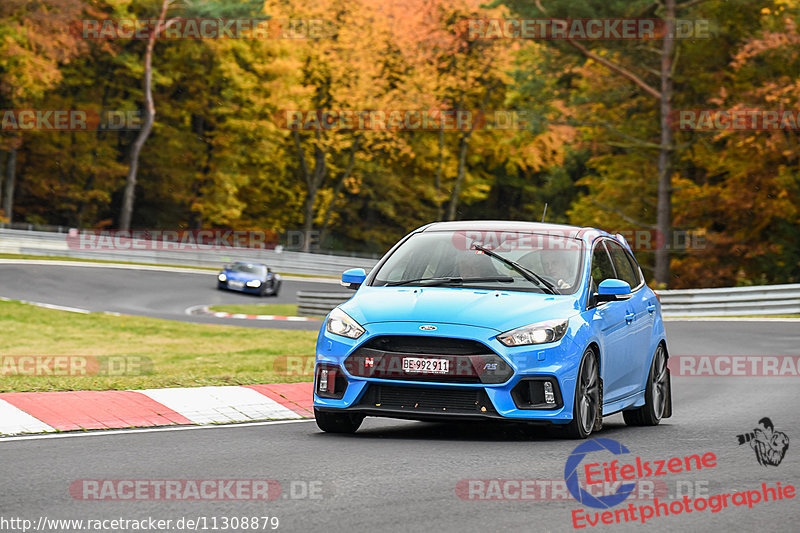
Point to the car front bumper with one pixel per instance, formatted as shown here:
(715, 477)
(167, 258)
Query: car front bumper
(243, 288)
(427, 397)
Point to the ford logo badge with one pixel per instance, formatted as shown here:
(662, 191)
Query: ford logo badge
(428, 327)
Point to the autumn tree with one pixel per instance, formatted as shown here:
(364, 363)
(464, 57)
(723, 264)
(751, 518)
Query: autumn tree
(647, 68)
(35, 41)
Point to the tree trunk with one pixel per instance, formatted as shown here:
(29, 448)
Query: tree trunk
(337, 189)
(437, 180)
(147, 126)
(314, 179)
(463, 147)
(663, 207)
(11, 177)
(2, 165)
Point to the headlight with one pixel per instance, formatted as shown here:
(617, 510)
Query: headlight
(538, 333)
(222, 277)
(340, 323)
(254, 283)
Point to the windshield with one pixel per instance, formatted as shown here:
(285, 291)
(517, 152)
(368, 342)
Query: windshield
(259, 270)
(450, 258)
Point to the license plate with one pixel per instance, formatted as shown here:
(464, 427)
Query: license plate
(426, 366)
(236, 284)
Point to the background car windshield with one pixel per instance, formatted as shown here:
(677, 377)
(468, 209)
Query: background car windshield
(259, 270)
(443, 254)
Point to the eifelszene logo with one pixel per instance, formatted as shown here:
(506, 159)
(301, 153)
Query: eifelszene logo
(619, 471)
(770, 445)
(571, 474)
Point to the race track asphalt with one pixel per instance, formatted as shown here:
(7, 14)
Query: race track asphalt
(399, 475)
(143, 292)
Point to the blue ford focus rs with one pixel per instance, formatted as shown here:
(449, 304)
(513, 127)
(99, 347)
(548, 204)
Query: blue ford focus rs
(479, 320)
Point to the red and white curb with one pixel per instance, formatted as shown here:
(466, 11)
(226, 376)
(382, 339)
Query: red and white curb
(204, 310)
(44, 412)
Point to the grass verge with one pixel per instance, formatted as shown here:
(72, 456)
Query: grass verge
(175, 354)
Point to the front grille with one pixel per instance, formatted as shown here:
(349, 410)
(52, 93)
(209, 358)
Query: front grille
(426, 344)
(468, 361)
(426, 399)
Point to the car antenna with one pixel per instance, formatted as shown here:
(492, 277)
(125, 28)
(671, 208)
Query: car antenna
(545, 211)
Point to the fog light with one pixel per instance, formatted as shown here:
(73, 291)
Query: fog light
(537, 393)
(330, 381)
(323, 380)
(549, 397)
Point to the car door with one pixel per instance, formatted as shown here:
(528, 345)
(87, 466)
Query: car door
(608, 321)
(640, 321)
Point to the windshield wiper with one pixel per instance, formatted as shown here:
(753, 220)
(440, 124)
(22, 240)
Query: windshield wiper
(528, 274)
(454, 280)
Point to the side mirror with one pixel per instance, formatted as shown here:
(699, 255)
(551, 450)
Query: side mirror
(612, 290)
(353, 278)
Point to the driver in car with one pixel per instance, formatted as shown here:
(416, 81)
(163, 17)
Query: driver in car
(475, 265)
(556, 268)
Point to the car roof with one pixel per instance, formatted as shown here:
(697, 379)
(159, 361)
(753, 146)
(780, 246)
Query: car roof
(255, 263)
(564, 230)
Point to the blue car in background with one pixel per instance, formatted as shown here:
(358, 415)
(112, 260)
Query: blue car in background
(480, 320)
(255, 278)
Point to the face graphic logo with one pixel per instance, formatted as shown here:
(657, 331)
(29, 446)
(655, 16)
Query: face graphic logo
(428, 327)
(769, 445)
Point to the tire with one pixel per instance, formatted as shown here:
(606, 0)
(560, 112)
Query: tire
(337, 422)
(587, 408)
(656, 394)
(221, 286)
(271, 291)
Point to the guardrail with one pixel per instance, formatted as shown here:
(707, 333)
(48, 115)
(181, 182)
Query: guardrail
(734, 301)
(55, 244)
(757, 300)
(320, 303)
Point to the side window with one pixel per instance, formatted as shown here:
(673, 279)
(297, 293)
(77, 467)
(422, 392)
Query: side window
(601, 266)
(636, 271)
(622, 264)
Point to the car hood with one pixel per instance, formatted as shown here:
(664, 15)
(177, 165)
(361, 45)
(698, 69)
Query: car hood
(494, 309)
(241, 276)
